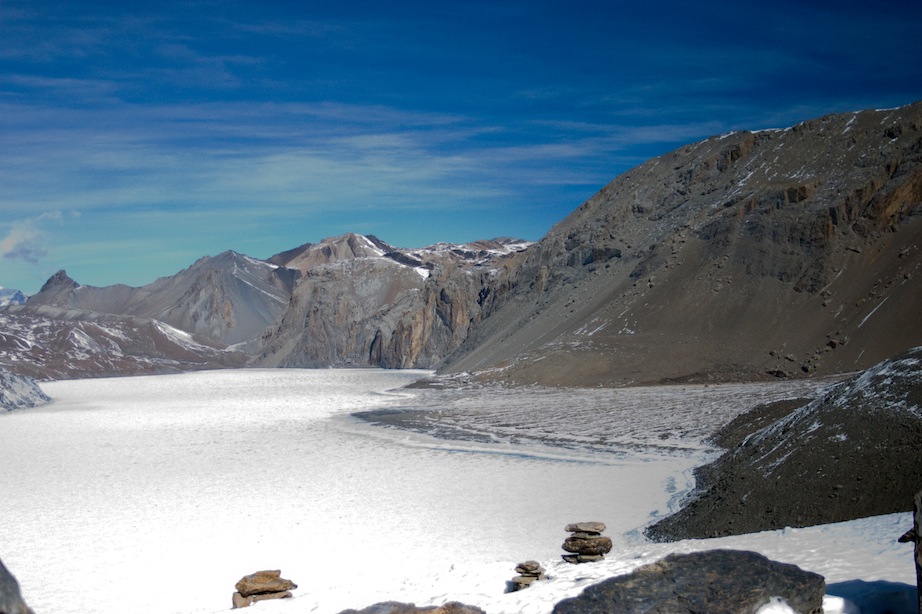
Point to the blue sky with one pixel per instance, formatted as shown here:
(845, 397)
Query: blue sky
(137, 137)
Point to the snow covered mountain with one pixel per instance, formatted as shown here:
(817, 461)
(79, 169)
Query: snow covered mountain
(47, 342)
(229, 298)
(11, 297)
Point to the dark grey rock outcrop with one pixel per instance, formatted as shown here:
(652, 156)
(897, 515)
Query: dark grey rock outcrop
(711, 582)
(11, 601)
(852, 453)
(528, 572)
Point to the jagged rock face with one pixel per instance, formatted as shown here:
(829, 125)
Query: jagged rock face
(363, 302)
(853, 453)
(788, 251)
(18, 392)
(229, 298)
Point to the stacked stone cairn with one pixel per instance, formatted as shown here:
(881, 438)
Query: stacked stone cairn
(529, 572)
(586, 542)
(260, 586)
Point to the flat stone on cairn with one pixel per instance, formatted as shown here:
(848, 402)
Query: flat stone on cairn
(262, 585)
(529, 572)
(586, 542)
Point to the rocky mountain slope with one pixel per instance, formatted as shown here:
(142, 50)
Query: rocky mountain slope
(853, 452)
(348, 300)
(46, 342)
(18, 392)
(752, 254)
(230, 298)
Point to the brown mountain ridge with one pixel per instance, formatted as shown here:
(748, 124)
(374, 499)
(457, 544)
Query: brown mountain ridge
(754, 254)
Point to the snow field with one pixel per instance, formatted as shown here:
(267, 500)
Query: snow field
(155, 494)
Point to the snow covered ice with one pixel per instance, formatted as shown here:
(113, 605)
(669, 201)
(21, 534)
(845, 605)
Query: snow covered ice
(156, 494)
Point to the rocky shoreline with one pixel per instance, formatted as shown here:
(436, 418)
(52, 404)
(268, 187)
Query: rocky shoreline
(850, 446)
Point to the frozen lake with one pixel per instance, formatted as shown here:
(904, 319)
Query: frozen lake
(155, 494)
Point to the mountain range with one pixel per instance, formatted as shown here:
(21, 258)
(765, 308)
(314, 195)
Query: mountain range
(750, 255)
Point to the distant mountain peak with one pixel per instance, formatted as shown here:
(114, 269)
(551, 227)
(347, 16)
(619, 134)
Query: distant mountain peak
(60, 280)
(10, 296)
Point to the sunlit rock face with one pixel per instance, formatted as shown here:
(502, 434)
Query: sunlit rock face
(363, 302)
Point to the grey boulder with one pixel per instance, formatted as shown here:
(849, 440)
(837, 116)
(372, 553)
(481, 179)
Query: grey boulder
(711, 582)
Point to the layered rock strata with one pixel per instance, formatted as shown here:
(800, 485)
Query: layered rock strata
(262, 585)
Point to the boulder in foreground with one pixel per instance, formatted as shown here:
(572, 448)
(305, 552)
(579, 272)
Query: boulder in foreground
(262, 585)
(711, 582)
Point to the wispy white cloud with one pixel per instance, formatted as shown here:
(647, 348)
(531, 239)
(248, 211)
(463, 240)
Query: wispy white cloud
(25, 239)
(322, 156)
